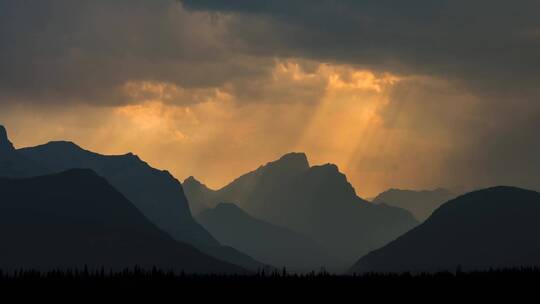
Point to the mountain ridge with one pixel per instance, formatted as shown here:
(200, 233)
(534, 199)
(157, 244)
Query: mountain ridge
(75, 218)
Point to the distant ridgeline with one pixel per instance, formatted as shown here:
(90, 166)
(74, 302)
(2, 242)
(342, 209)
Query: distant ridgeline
(491, 228)
(420, 203)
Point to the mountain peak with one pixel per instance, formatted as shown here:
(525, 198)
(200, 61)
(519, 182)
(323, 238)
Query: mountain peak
(5, 144)
(64, 144)
(131, 157)
(192, 180)
(193, 183)
(299, 157)
(293, 161)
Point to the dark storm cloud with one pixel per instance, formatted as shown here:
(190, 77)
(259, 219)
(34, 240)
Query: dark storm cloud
(488, 50)
(63, 50)
(492, 46)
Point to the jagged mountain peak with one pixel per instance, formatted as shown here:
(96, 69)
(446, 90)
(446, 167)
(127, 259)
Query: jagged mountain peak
(5, 144)
(293, 160)
(191, 180)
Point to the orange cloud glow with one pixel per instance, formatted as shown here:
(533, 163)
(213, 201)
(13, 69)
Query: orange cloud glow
(334, 113)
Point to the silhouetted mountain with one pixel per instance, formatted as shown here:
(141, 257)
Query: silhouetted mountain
(76, 218)
(157, 194)
(12, 163)
(315, 201)
(491, 228)
(278, 246)
(420, 203)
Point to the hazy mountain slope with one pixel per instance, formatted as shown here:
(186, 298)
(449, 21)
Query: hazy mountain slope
(496, 227)
(248, 189)
(315, 201)
(420, 203)
(269, 243)
(200, 197)
(77, 218)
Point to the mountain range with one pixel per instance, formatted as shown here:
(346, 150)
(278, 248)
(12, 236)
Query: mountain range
(316, 201)
(75, 218)
(491, 228)
(157, 194)
(62, 207)
(420, 203)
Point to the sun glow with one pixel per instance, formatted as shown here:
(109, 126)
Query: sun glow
(334, 113)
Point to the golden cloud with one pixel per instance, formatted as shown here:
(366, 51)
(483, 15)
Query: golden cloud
(334, 113)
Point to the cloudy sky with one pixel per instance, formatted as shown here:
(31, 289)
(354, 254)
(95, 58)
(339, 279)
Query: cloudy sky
(409, 94)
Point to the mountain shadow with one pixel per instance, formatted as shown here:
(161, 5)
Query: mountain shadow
(420, 203)
(76, 218)
(157, 194)
(491, 228)
(278, 246)
(13, 163)
(315, 201)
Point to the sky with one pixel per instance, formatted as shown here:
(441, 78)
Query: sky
(399, 94)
